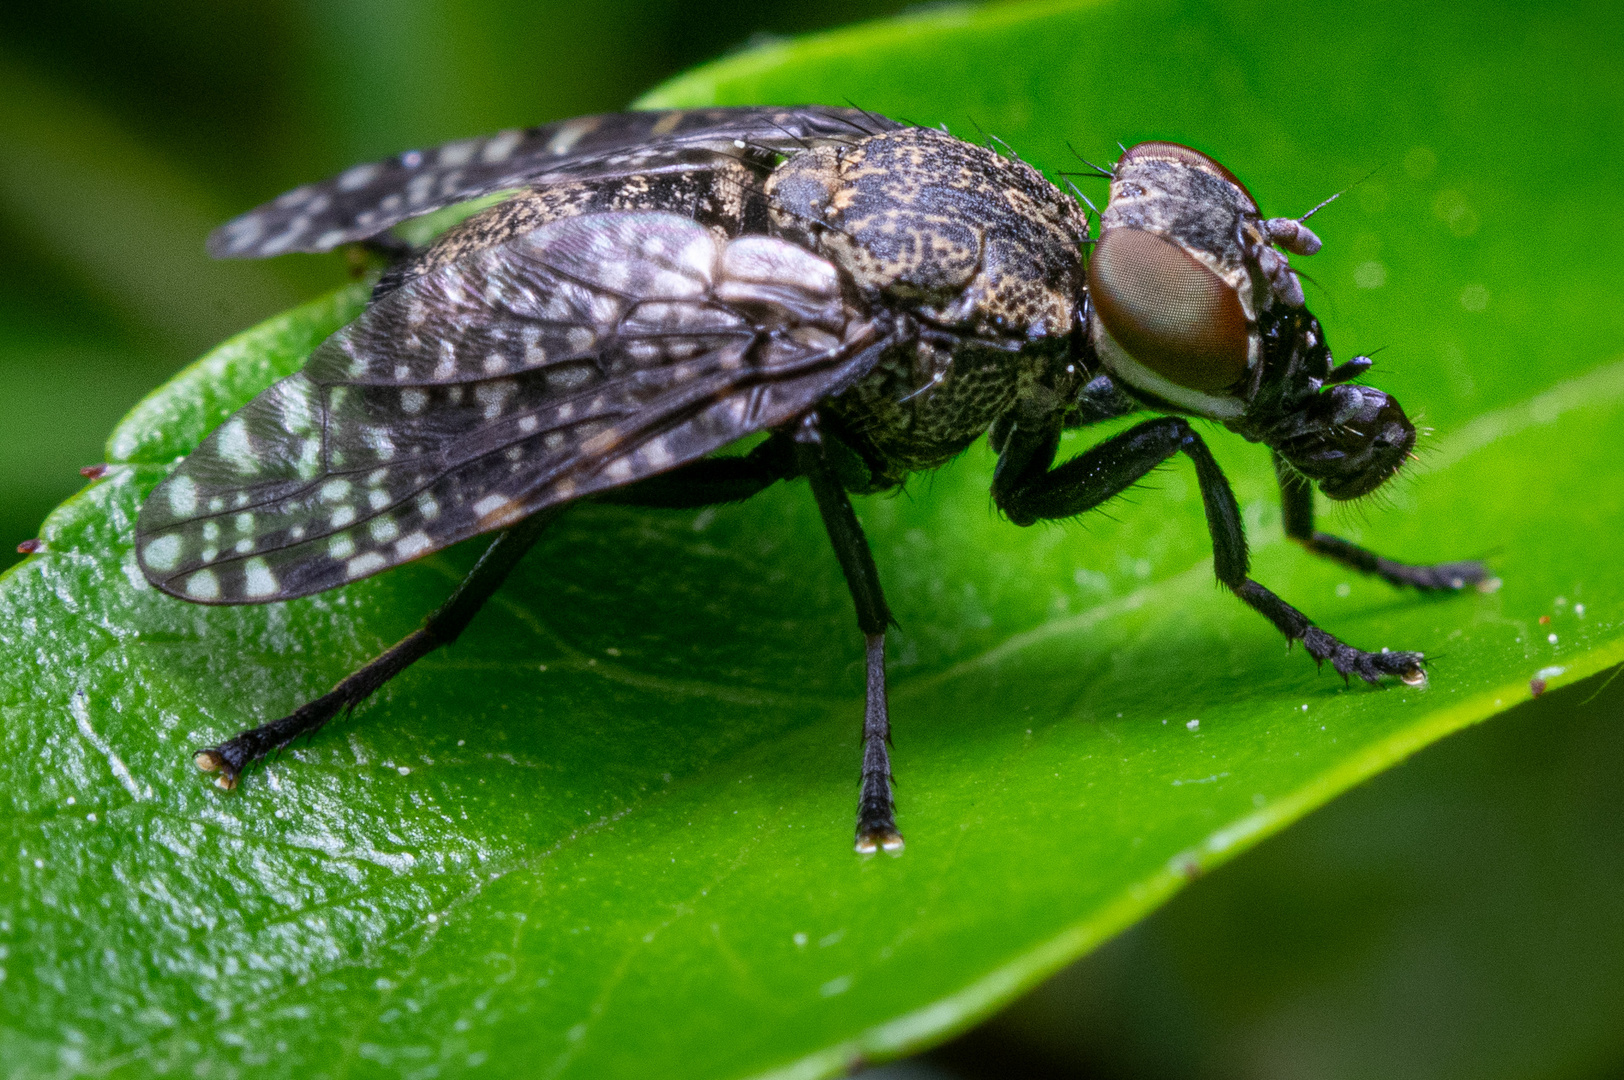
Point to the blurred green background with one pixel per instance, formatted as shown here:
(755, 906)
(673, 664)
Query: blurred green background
(1461, 916)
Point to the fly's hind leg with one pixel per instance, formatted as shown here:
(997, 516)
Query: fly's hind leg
(700, 483)
(1297, 506)
(441, 628)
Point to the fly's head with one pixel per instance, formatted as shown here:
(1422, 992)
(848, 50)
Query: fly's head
(1195, 308)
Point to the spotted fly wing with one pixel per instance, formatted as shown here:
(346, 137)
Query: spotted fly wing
(367, 199)
(584, 355)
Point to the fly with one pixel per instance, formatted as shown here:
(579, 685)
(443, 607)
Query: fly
(872, 295)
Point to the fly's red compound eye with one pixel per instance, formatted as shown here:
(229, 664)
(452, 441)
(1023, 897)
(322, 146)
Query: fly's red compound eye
(1168, 311)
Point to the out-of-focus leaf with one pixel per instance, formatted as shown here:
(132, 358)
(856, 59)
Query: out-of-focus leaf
(122, 219)
(1460, 918)
(608, 832)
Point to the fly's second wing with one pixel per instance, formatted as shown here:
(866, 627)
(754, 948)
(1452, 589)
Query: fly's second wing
(587, 354)
(365, 200)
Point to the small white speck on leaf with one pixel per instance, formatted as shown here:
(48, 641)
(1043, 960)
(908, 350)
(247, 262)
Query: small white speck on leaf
(835, 986)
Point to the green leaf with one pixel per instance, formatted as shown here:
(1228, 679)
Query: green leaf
(608, 832)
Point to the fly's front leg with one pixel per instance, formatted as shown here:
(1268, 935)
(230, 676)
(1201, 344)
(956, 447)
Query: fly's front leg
(1036, 491)
(1297, 506)
(876, 808)
(441, 628)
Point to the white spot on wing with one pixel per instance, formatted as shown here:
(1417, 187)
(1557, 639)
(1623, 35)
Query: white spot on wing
(257, 578)
(490, 504)
(413, 401)
(458, 153)
(283, 240)
(667, 123)
(381, 443)
(383, 529)
(341, 546)
(309, 464)
(501, 145)
(565, 138)
(415, 544)
(358, 177)
(493, 396)
(421, 189)
(447, 365)
(203, 585)
(362, 565)
(182, 496)
(163, 554)
(656, 454)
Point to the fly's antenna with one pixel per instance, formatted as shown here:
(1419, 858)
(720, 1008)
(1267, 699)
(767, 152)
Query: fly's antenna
(1343, 192)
